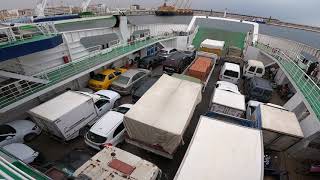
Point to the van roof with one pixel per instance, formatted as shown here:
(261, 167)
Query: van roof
(262, 83)
(232, 66)
(255, 63)
(230, 99)
(229, 144)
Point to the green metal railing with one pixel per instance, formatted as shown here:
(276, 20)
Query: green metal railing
(308, 88)
(19, 90)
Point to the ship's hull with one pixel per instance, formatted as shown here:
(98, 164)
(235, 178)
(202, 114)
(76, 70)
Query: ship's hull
(173, 13)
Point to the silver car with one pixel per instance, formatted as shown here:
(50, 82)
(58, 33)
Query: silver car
(125, 81)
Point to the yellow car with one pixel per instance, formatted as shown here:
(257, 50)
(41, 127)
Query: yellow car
(104, 79)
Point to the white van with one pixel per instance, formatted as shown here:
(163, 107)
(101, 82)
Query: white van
(230, 72)
(253, 68)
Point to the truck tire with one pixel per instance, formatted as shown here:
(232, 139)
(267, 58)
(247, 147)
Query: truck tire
(29, 137)
(83, 131)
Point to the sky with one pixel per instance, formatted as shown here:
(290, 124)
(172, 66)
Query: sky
(296, 11)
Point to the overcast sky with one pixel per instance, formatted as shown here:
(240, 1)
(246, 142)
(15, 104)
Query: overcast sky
(299, 11)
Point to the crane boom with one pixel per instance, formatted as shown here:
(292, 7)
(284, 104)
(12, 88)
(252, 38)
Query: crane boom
(85, 4)
(39, 9)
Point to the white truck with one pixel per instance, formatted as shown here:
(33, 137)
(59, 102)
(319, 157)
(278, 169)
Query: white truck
(222, 150)
(227, 99)
(281, 128)
(159, 119)
(67, 114)
(114, 163)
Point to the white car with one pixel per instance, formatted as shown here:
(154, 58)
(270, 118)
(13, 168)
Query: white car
(18, 131)
(230, 72)
(224, 85)
(109, 129)
(22, 152)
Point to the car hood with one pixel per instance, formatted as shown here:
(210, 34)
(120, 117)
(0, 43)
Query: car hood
(21, 124)
(108, 93)
(19, 150)
(106, 123)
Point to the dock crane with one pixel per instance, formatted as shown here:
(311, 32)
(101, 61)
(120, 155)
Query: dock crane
(84, 5)
(39, 9)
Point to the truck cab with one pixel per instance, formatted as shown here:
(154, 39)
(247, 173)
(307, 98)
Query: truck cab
(253, 68)
(230, 72)
(104, 100)
(259, 89)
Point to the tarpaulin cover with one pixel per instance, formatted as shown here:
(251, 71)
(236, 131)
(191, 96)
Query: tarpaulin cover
(163, 113)
(200, 68)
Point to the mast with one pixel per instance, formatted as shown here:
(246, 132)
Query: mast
(39, 9)
(85, 4)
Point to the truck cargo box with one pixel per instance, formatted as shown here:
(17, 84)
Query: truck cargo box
(212, 46)
(65, 114)
(227, 102)
(114, 163)
(163, 113)
(281, 128)
(221, 150)
(200, 68)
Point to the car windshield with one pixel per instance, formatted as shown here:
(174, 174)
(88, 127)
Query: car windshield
(6, 129)
(121, 110)
(96, 138)
(123, 79)
(231, 73)
(99, 77)
(163, 51)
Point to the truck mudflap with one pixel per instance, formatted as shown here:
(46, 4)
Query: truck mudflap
(151, 148)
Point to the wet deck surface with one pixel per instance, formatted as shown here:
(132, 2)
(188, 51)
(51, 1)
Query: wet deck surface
(53, 150)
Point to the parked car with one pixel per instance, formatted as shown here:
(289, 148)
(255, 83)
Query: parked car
(166, 52)
(230, 72)
(125, 82)
(253, 68)
(104, 79)
(176, 63)
(22, 152)
(145, 86)
(259, 89)
(18, 131)
(149, 62)
(109, 129)
(69, 114)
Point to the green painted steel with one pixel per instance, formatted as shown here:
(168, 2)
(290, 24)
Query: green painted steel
(236, 39)
(307, 87)
(73, 68)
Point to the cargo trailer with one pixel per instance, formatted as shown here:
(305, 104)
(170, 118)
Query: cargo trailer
(281, 128)
(212, 46)
(67, 114)
(202, 67)
(222, 150)
(159, 119)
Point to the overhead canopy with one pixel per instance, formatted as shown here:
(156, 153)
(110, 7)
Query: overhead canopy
(212, 44)
(221, 150)
(163, 113)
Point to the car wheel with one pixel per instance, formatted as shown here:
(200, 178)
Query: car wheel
(83, 131)
(30, 137)
(117, 103)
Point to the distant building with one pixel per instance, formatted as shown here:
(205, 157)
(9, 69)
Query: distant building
(135, 7)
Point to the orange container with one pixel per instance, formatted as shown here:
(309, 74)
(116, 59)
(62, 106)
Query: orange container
(200, 68)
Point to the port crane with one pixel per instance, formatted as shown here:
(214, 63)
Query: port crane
(84, 5)
(39, 9)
